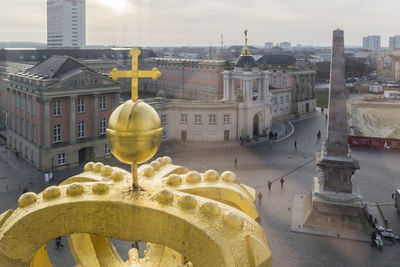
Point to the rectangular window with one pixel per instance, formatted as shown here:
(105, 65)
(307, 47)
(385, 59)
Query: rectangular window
(163, 119)
(103, 126)
(212, 119)
(17, 101)
(23, 127)
(107, 149)
(81, 129)
(197, 118)
(13, 99)
(23, 102)
(81, 105)
(29, 101)
(226, 118)
(283, 80)
(34, 108)
(57, 108)
(281, 99)
(62, 159)
(164, 134)
(103, 102)
(183, 118)
(57, 133)
(34, 133)
(287, 98)
(274, 80)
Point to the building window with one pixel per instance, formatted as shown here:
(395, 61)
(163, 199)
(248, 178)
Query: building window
(287, 98)
(274, 80)
(23, 102)
(197, 118)
(13, 99)
(103, 102)
(103, 125)
(81, 129)
(163, 119)
(23, 127)
(28, 109)
(17, 101)
(227, 118)
(81, 105)
(62, 159)
(283, 80)
(57, 108)
(107, 149)
(57, 133)
(281, 99)
(34, 108)
(387, 63)
(164, 134)
(34, 133)
(212, 119)
(183, 118)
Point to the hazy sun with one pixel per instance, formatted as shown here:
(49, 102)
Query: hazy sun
(114, 4)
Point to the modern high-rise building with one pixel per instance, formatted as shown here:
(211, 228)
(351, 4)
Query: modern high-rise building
(268, 45)
(372, 42)
(394, 42)
(66, 23)
(285, 45)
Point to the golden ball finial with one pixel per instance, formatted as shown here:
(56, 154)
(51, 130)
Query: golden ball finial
(134, 132)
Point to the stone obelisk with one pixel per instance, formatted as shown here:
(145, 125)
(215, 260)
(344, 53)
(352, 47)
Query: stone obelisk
(334, 203)
(336, 164)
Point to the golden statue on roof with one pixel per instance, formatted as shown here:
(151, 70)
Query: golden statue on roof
(187, 218)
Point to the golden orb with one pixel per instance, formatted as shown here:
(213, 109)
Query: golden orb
(134, 132)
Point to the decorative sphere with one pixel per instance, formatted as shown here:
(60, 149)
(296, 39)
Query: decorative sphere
(134, 132)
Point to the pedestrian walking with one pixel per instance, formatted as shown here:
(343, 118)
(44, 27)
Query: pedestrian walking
(326, 117)
(58, 243)
(295, 144)
(373, 237)
(269, 185)
(318, 136)
(276, 135)
(46, 177)
(259, 197)
(235, 162)
(282, 181)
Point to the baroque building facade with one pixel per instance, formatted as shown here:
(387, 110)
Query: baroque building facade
(243, 111)
(58, 112)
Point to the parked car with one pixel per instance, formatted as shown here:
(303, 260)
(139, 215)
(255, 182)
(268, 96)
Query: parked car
(388, 234)
(378, 242)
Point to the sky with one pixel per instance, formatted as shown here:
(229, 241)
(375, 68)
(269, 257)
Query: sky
(201, 22)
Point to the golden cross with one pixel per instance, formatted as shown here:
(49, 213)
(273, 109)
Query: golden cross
(135, 73)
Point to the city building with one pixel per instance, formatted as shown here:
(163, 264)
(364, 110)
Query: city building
(294, 76)
(243, 111)
(268, 45)
(394, 43)
(58, 112)
(196, 79)
(372, 42)
(285, 45)
(66, 23)
(388, 68)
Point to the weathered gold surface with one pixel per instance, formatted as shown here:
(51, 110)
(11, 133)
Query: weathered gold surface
(211, 223)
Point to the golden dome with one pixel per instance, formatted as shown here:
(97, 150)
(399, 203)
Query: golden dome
(134, 132)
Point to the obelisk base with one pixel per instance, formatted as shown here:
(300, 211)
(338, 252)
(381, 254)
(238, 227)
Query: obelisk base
(331, 214)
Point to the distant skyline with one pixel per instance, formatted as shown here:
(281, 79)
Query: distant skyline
(201, 22)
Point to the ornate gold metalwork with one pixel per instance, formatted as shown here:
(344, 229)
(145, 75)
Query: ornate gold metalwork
(245, 51)
(134, 128)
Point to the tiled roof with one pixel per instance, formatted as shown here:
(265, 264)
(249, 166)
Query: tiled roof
(55, 67)
(277, 60)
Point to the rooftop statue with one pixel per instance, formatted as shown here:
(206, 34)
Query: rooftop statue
(188, 218)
